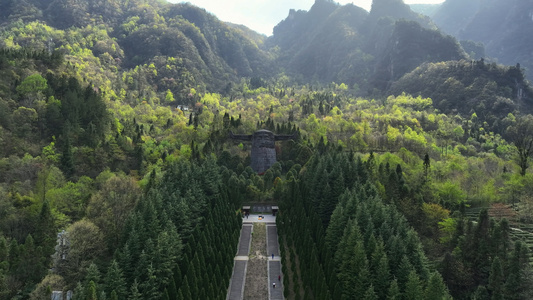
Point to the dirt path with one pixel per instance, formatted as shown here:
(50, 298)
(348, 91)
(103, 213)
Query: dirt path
(256, 284)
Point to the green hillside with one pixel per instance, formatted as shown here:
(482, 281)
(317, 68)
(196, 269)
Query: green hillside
(118, 179)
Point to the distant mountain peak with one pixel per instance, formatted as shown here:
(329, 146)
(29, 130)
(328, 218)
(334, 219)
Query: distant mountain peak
(390, 8)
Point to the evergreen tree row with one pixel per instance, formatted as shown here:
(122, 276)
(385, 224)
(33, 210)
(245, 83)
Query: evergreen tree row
(350, 244)
(485, 262)
(179, 243)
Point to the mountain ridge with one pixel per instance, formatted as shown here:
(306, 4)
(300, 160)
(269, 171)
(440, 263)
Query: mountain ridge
(368, 51)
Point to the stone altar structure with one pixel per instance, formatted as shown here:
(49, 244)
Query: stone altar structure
(263, 147)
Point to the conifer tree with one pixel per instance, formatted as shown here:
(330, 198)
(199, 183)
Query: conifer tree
(93, 274)
(29, 266)
(403, 271)
(114, 295)
(394, 291)
(91, 291)
(172, 290)
(67, 159)
(185, 289)
(178, 276)
(126, 263)
(427, 166)
(436, 289)
(192, 280)
(382, 277)
(4, 290)
(496, 280)
(370, 294)
(45, 233)
(413, 288)
(180, 295)
(134, 291)
(114, 280)
(3, 249)
(481, 293)
(150, 288)
(79, 292)
(512, 287)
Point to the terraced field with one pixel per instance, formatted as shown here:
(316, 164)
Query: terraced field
(519, 230)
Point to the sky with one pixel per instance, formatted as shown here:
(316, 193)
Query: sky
(263, 15)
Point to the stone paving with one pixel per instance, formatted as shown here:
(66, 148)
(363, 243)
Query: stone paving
(237, 283)
(274, 264)
(244, 240)
(265, 218)
(236, 289)
(272, 240)
(274, 276)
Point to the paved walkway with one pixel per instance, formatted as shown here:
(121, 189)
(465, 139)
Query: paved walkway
(272, 240)
(274, 264)
(236, 288)
(274, 272)
(238, 278)
(245, 240)
(236, 285)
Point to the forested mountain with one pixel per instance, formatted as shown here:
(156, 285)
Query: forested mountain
(465, 87)
(347, 44)
(504, 27)
(408, 178)
(149, 32)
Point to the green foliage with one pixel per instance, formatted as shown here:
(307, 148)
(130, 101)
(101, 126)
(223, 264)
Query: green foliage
(450, 195)
(95, 138)
(32, 85)
(357, 249)
(520, 134)
(453, 85)
(436, 289)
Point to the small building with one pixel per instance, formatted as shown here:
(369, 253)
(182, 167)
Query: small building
(182, 107)
(246, 210)
(274, 210)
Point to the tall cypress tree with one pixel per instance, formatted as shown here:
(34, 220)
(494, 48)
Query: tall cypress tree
(114, 295)
(93, 274)
(394, 291)
(3, 249)
(481, 293)
(185, 290)
(67, 158)
(370, 294)
(427, 166)
(45, 232)
(165, 295)
(91, 291)
(413, 288)
(436, 289)
(150, 288)
(114, 280)
(496, 280)
(172, 290)
(382, 277)
(134, 291)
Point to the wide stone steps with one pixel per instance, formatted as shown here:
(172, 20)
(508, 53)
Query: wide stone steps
(240, 266)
